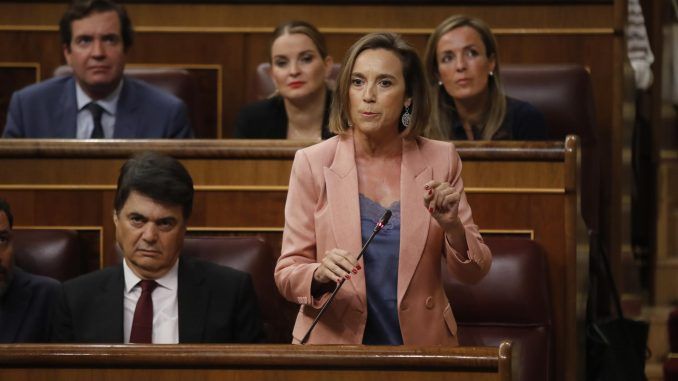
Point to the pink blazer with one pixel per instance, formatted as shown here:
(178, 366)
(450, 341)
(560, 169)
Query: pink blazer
(322, 212)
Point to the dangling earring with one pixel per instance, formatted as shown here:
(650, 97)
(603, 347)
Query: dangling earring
(406, 118)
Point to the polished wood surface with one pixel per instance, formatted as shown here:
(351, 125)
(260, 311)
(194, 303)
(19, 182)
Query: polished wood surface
(514, 188)
(252, 362)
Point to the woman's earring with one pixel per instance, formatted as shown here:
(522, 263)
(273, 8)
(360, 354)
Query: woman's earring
(440, 83)
(491, 74)
(406, 118)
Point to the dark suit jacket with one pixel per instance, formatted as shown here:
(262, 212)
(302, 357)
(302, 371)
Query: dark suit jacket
(49, 110)
(267, 119)
(521, 122)
(216, 305)
(25, 308)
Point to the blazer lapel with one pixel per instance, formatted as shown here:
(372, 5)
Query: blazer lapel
(193, 301)
(65, 115)
(414, 218)
(15, 305)
(342, 194)
(126, 120)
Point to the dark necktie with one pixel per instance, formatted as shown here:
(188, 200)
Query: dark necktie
(97, 111)
(142, 324)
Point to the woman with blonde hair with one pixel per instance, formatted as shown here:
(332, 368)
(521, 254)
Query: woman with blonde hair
(462, 67)
(341, 187)
(300, 66)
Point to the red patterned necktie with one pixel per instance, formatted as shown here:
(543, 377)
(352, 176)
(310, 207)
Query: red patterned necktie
(142, 324)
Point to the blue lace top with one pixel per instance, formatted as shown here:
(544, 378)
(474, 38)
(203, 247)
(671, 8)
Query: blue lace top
(381, 273)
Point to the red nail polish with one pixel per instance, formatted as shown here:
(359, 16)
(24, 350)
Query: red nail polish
(354, 271)
(338, 280)
(347, 277)
(358, 267)
(430, 210)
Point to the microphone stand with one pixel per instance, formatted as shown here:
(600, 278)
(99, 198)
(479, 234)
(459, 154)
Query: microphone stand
(382, 221)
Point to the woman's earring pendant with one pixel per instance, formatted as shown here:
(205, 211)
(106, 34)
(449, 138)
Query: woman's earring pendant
(406, 118)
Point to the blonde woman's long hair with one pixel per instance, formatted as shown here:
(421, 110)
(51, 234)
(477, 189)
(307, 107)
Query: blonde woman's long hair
(442, 103)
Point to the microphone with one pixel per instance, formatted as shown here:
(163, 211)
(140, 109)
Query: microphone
(377, 228)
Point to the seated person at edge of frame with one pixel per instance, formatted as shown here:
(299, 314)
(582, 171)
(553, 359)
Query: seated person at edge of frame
(300, 108)
(469, 103)
(156, 295)
(25, 299)
(339, 189)
(97, 101)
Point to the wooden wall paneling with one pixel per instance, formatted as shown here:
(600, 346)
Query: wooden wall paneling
(15, 75)
(200, 49)
(63, 173)
(210, 84)
(32, 45)
(54, 207)
(256, 50)
(206, 118)
(364, 17)
(243, 208)
(256, 175)
(26, 57)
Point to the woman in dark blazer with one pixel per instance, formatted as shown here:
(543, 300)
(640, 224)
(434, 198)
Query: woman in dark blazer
(300, 107)
(468, 100)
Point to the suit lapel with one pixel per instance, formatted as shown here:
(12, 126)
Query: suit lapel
(14, 309)
(126, 120)
(65, 115)
(193, 301)
(413, 215)
(342, 194)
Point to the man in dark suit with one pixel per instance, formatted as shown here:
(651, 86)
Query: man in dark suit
(25, 299)
(97, 101)
(191, 301)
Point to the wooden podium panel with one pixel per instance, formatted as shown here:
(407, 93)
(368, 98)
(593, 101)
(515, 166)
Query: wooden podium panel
(525, 189)
(253, 362)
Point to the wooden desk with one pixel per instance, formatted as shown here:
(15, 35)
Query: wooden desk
(252, 362)
(515, 188)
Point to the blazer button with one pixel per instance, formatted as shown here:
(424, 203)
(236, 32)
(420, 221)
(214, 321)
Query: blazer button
(429, 303)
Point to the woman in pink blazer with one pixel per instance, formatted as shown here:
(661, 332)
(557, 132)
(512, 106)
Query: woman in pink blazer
(338, 190)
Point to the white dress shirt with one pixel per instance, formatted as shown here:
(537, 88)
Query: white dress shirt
(84, 121)
(165, 305)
